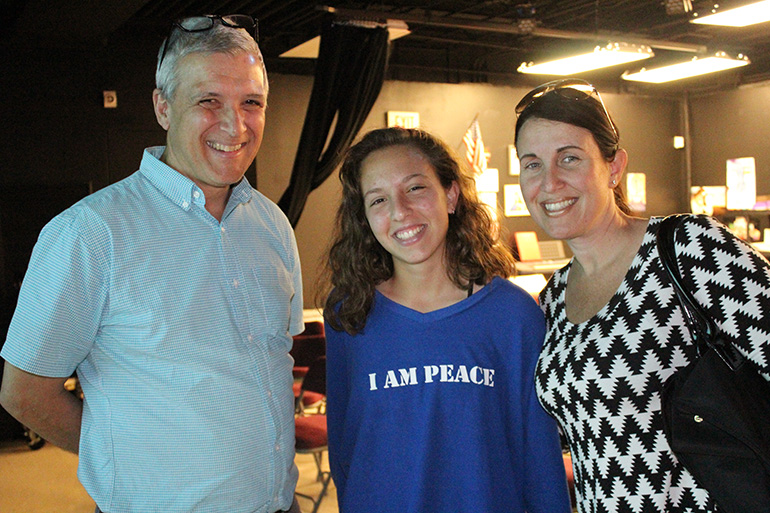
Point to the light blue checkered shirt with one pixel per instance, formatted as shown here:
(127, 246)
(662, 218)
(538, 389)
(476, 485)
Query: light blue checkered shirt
(179, 328)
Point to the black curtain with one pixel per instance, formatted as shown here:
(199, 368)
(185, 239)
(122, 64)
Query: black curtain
(349, 74)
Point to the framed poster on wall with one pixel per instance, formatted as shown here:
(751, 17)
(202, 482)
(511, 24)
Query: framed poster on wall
(514, 201)
(741, 183)
(514, 168)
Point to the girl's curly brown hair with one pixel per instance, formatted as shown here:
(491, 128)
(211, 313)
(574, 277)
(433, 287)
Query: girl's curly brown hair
(357, 262)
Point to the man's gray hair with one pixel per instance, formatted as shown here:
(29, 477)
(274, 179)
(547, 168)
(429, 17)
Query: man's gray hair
(218, 39)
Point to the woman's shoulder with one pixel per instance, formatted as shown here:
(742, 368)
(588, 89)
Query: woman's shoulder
(701, 229)
(505, 288)
(688, 220)
(687, 229)
(513, 296)
(702, 244)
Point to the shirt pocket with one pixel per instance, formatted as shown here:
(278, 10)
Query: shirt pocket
(274, 293)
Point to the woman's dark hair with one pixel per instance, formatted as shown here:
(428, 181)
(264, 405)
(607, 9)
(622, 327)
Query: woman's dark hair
(357, 262)
(586, 112)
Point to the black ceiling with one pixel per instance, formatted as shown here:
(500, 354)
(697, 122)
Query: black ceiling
(450, 40)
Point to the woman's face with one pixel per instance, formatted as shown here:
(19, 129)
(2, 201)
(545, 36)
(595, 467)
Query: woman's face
(566, 183)
(406, 206)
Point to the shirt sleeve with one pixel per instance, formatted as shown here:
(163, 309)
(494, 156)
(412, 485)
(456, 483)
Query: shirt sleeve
(62, 298)
(337, 404)
(545, 481)
(731, 281)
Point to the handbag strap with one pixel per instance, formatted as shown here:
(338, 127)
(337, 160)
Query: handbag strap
(703, 330)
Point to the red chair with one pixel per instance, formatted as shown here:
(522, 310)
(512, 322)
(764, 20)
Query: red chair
(313, 328)
(310, 430)
(306, 350)
(308, 345)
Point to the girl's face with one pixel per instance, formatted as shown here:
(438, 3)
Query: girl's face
(566, 183)
(406, 206)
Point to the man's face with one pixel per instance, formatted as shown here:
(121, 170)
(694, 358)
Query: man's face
(216, 118)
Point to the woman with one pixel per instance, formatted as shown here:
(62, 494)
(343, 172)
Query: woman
(615, 330)
(430, 349)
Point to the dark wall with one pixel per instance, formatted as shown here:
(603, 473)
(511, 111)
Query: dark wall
(728, 125)
(56, 127)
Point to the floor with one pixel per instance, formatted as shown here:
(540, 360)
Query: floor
(45, 481)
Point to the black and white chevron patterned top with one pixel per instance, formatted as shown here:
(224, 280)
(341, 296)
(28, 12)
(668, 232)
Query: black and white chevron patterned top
(601, 379)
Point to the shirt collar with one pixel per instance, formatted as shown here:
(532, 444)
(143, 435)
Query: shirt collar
(177, 187)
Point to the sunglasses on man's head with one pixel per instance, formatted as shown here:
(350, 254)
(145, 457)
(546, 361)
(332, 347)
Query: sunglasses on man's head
(569, 88)
(207, 21)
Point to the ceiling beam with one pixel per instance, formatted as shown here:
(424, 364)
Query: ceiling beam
(512, 28)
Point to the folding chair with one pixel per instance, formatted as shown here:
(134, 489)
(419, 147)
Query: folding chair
(305, 350)
(311, 435)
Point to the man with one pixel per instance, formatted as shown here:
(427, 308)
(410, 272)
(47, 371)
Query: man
(173, 294)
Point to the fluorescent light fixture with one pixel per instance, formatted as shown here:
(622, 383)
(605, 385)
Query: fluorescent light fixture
(602, 57)
(694, 67)
(751, 14)
(309, 49)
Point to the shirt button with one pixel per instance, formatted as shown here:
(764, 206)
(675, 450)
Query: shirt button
(250, 338)
(196, 194)
(185, 204)
(235, 283)
(270, 393)
(277, 447)
(222, 229)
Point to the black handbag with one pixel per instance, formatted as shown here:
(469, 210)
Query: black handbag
(716, 410)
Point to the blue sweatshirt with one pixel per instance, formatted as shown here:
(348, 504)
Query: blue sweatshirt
(437, 411)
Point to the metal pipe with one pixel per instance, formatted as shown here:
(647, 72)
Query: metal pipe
(685, 110)
(505, 28)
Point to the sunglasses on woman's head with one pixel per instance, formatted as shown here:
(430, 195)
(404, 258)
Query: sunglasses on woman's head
(569, 88)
